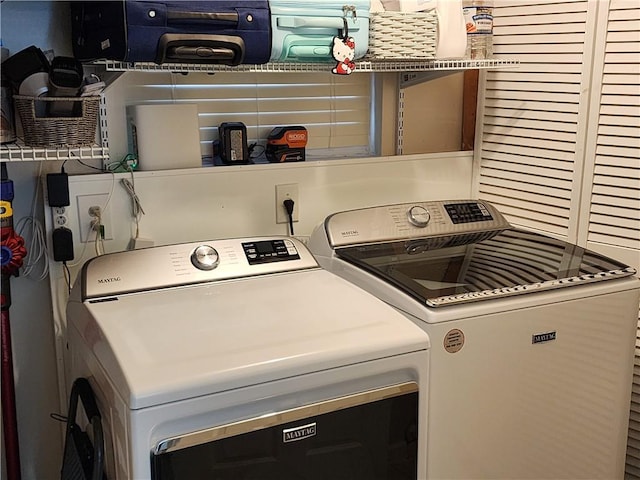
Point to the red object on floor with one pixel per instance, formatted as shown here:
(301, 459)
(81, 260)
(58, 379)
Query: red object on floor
(9, 420)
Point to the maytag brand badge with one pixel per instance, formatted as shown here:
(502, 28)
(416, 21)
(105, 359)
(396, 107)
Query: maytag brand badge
(543, 337)
(109, 280)
(298, 433)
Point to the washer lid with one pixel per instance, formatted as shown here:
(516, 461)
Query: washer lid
(171, 344)
(456, 269)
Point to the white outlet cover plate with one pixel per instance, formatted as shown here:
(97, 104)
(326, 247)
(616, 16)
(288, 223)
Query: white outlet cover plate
(87, 234)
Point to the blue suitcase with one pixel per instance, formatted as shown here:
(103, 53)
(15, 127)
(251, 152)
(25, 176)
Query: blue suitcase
(303, 31)
(216, 31)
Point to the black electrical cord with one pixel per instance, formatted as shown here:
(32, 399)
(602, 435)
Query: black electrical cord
(288, 205)
(255, 154)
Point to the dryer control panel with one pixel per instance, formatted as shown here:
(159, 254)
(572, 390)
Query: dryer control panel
(266, 251)
(191, 263)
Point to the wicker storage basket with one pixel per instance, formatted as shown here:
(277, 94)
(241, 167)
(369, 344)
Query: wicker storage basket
(55, 132)
(402, 35)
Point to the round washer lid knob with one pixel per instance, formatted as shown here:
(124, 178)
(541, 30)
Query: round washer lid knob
(419, 216)
(205, 257)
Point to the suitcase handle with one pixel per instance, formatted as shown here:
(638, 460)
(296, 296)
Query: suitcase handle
(182, 17)
(312, 51)
(336, 23)
(202, 52)
(200, 48)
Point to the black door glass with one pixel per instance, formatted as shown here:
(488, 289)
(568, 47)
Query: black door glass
(377, 440)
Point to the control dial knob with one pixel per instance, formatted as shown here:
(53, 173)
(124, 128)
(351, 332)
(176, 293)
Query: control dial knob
(205, 257)
(418, 216)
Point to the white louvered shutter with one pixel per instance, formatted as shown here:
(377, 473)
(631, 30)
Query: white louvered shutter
(611, 219)
(613, 150)
(531, 118)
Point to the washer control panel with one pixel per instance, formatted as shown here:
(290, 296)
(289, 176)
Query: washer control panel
(265, 251)
(468, 212)
(412, 220)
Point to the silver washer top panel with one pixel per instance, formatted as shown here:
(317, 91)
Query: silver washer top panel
(409, 220)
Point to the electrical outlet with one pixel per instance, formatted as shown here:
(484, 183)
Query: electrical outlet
(86, 220)
(283, 192)
(60, 220)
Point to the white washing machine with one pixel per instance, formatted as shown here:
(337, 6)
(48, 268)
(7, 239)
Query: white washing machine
(242, 359)
(532, 338)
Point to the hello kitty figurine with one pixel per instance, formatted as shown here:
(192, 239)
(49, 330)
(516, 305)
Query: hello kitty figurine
(344, 51)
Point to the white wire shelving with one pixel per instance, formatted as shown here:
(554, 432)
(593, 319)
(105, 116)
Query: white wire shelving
(291, 67)
(18, 151)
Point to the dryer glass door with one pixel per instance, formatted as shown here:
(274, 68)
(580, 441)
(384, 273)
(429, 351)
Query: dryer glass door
(369, 435)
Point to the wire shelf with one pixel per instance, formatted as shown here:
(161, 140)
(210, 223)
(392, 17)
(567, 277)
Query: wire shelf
(19, 152)
(288, 67)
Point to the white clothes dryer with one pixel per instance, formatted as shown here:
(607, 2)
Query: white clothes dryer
(242, 359)
(532, 338)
